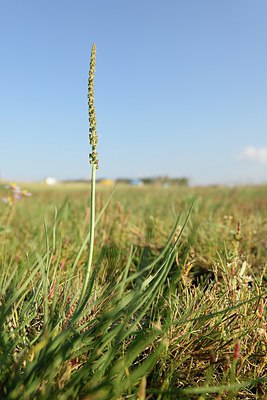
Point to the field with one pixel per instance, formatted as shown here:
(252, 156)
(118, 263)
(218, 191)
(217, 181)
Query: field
(175, 306)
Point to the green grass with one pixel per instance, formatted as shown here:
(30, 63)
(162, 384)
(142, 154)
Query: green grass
(172, 311)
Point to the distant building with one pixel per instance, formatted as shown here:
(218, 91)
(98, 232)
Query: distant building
(136, 182)
(50, 181)
(106, 182)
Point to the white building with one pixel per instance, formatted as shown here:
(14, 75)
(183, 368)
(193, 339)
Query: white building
(50, 181)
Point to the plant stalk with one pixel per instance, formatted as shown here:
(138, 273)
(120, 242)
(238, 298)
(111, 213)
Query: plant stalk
(92, 236)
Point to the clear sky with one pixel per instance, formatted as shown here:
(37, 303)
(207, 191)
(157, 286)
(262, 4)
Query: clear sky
(180, 88)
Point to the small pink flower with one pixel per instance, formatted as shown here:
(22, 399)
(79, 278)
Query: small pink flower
(261, 309)
(237, 351)
(17, 196)
(26, 193)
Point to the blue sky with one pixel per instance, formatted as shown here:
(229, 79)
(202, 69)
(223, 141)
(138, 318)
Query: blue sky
(180, 89)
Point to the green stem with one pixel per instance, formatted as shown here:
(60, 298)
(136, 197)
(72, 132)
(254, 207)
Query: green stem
(92, 236)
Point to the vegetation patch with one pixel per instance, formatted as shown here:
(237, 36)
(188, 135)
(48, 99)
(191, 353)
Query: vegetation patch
(162, 297)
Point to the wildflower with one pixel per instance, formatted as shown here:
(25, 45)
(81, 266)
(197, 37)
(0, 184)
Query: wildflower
(13, 187)
(26, 193)
(16, 194)
(8, 200)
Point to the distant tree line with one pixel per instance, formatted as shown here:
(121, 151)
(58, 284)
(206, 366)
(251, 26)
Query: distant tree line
(159, 180)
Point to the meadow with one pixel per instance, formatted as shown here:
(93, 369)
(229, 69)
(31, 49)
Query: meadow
(175, 306)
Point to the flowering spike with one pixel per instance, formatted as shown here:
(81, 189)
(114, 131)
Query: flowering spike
(93, 138)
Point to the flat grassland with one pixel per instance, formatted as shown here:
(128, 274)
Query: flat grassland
(173, 311)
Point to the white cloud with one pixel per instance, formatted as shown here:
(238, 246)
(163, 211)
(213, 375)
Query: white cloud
(252, 153)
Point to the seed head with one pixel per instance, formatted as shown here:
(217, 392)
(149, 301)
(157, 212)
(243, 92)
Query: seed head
(93, 138)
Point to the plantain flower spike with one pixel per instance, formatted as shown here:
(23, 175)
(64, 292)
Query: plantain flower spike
(91, 109)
